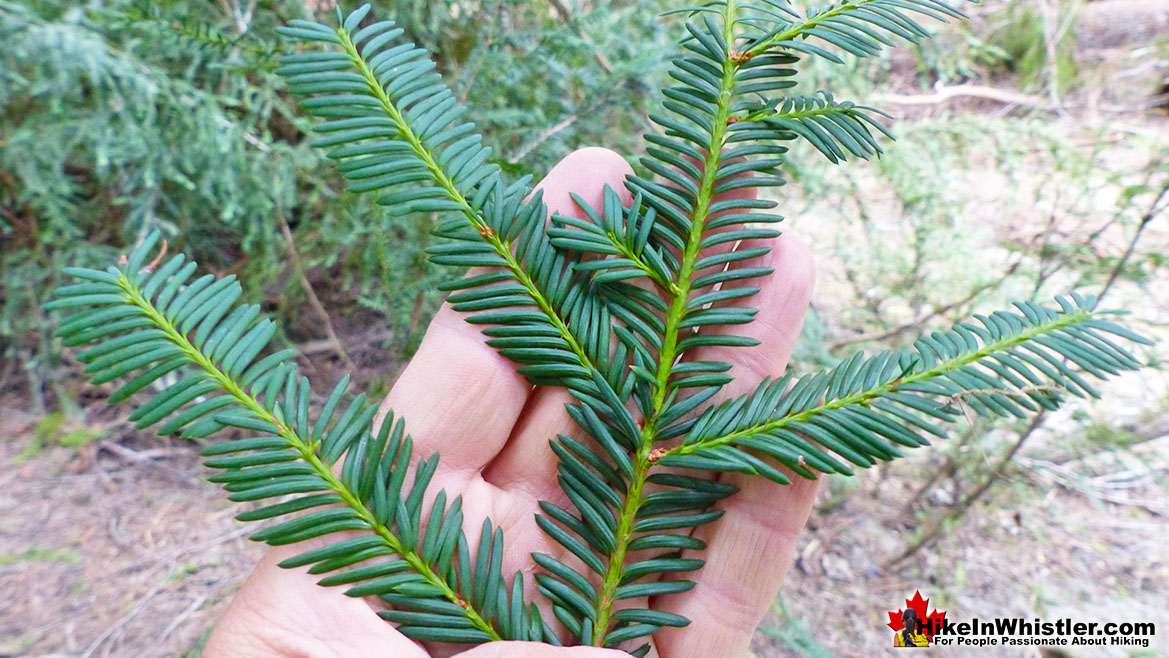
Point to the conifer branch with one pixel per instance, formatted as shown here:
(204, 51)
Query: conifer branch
(858, 27)
(612, 236)
(150, 323)
(832, 128)
(397, 129)
(1007, 365)
(309, 451)
(462, 204)
(669, 352)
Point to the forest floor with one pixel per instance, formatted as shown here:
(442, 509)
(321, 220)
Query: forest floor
(117, 546)
(1035, 548)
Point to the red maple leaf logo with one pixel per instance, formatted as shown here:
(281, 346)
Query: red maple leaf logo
(931, 623)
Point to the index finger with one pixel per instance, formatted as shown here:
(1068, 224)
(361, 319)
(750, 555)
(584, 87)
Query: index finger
(750, 548)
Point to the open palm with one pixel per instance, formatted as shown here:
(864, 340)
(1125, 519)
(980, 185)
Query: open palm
(464, 400)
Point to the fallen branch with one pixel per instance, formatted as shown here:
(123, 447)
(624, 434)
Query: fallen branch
(943, 94)
(1155, 209)
(1109, 487)
(937, 527)
(313, 300)
(195, 604)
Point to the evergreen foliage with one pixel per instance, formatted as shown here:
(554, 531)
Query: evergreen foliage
(96, 99)
(612, 308)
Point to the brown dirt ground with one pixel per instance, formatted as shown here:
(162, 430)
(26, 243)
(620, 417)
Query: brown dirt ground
(138, 555)
(123, 538)
(1031, 550)
(107, 555)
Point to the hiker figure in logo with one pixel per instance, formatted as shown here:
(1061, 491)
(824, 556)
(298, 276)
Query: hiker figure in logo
(909, 636)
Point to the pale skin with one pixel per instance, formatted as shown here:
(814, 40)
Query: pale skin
(461, 398)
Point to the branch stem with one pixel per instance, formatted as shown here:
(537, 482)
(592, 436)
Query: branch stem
(669, 353)
(863, 397)
(308, 453)
(440, 176)
(796, 30)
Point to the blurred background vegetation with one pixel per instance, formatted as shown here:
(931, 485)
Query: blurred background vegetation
(119, 117)
(1032, 158)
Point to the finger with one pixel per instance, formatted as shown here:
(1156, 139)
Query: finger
(527, 463)
(585, 173)
(749, 552)
(459, 385)
(266, 619)
(782, 301)
(750, 548)
(457, 394)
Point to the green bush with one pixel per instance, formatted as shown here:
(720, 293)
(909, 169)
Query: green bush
(131, 116)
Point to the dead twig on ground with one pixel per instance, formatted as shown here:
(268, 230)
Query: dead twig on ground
(1155, 209)
(943, 93)
(311, 295)
(1110, 487)
(149, 457)
(195, 604)
(934, 532)
(118, 625)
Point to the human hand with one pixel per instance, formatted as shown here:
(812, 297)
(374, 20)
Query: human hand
(463, 399)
